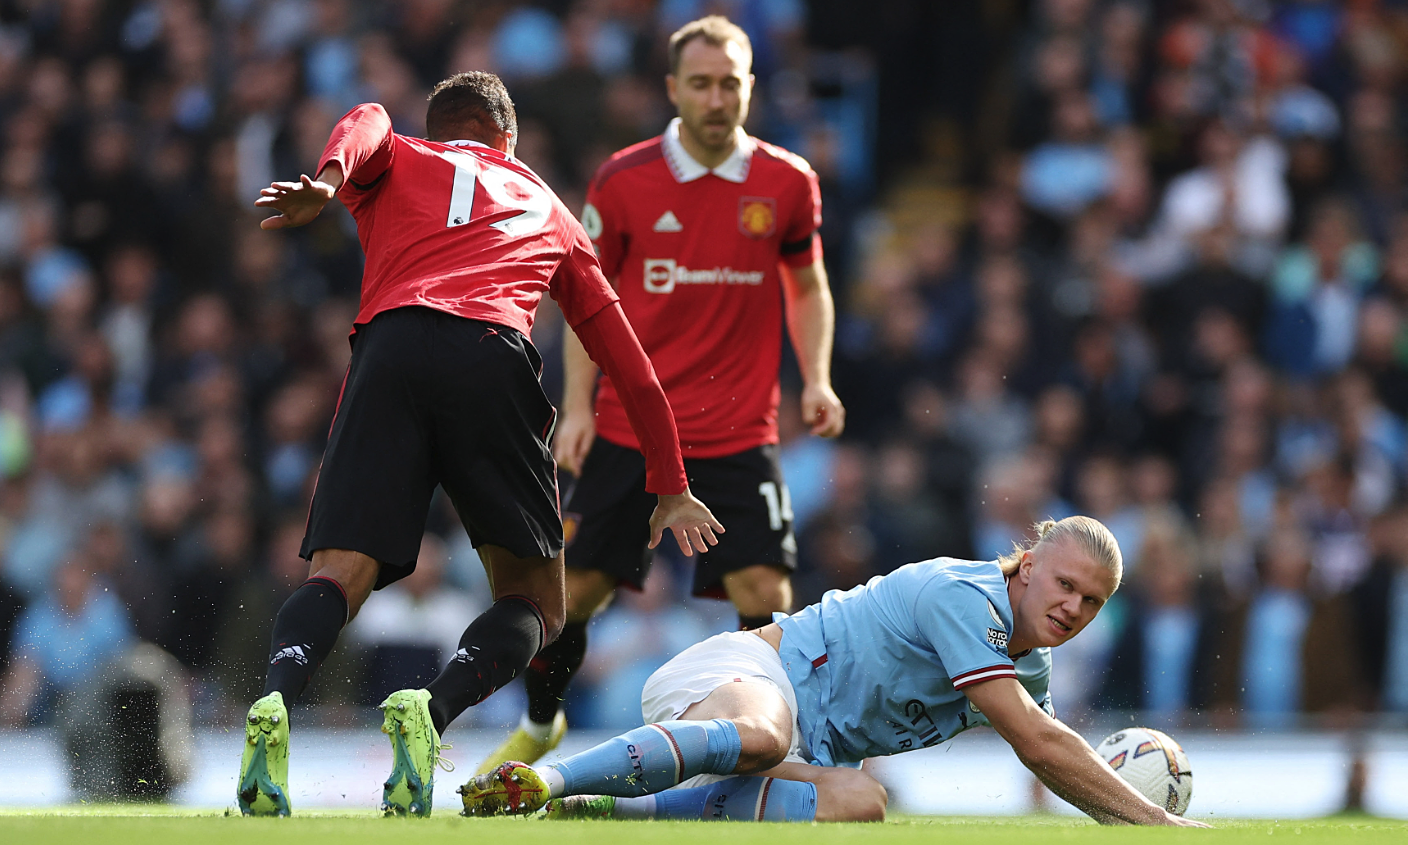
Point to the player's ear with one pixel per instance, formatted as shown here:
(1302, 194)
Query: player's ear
(670, 88)
(505, 141)
(1024, 569)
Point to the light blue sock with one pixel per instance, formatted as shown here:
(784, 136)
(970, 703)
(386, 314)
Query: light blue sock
(746, 799)
(652, 758)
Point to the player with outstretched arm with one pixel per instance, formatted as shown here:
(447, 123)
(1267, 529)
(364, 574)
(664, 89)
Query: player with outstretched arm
(462, 241)
(706, 232)
(771, 725)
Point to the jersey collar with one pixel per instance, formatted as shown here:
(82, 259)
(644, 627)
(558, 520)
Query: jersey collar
(476, 144)
(685, 169)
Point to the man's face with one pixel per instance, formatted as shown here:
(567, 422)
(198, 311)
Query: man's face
(711, 90)
(1064, 591)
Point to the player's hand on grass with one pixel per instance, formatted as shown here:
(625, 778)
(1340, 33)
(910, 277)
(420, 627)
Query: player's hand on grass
(822, 411)
(575, 433)
(689, 518)
(298, 203)
(1179, 821)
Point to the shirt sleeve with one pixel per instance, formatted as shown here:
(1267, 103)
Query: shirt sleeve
(602, 222)
(613, 345)
(578, 286)
(954, 618)
(363, 143)
(801, 239)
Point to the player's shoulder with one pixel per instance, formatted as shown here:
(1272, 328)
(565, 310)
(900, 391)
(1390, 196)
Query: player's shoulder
(784, 160)
(955, 577)
(955, 570)
(635, 156)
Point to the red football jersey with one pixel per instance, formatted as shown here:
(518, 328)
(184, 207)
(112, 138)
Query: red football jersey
(694, 254)
(447, 226)
(462, 228)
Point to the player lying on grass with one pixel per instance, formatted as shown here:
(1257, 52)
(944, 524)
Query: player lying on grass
(771, 725)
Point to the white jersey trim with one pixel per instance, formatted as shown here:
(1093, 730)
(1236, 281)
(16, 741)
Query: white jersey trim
(685, 169)
(979, 675)
(674, 752)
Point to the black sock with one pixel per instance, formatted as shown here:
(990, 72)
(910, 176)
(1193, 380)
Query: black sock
(753, 623)
(304, 633)
(493, 650)
(551, 671)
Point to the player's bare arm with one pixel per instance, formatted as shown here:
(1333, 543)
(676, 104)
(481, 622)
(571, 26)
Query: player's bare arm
(1063, 760)
(693, 524)
(811, 321)
(299, 203)
(577, 428)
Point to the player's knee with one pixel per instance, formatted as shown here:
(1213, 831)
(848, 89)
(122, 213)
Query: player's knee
(554, 616)
(764, 745)
(552, 626)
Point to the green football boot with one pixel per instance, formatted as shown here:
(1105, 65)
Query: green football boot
(415, 749)
(263, 786)
(575, 807)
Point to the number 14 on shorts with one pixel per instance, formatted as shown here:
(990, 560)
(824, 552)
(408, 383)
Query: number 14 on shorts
(779, 503)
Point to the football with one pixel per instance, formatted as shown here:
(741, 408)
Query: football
(1152, 763)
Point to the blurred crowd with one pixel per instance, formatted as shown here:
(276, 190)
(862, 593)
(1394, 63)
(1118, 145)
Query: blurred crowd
(1146, 261)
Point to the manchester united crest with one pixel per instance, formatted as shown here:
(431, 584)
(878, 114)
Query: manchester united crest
(757, 216)
(570, 523)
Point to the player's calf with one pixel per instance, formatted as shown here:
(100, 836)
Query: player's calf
(764, 745)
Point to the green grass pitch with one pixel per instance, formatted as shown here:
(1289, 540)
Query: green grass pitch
(158, 826)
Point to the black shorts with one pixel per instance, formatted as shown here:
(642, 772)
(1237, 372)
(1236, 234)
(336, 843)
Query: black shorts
(431, 398)
(607, 515)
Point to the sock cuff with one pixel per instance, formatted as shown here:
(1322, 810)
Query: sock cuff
(725, 745)
(332, 582)
(537, 614)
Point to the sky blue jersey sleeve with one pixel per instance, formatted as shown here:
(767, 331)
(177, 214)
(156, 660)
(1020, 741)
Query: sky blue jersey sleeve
(966, 629)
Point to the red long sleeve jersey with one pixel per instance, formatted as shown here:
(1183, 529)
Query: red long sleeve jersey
(465, 229)
(459, 227)
(695, 256)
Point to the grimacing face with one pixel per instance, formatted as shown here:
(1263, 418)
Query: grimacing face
(1065, 589)
(711, 91)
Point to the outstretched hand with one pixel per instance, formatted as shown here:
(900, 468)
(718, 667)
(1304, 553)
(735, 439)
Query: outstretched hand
(689, 518)
(298, 202)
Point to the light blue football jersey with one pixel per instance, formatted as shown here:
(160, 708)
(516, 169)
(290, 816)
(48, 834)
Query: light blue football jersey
(880, 668)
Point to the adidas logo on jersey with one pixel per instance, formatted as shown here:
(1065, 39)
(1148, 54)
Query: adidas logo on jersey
(668, 222)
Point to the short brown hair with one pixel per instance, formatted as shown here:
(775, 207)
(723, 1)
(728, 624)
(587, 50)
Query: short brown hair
(714, 29)
(472, 106)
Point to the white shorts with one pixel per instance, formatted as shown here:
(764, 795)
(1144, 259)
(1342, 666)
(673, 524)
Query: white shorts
(730, 657)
